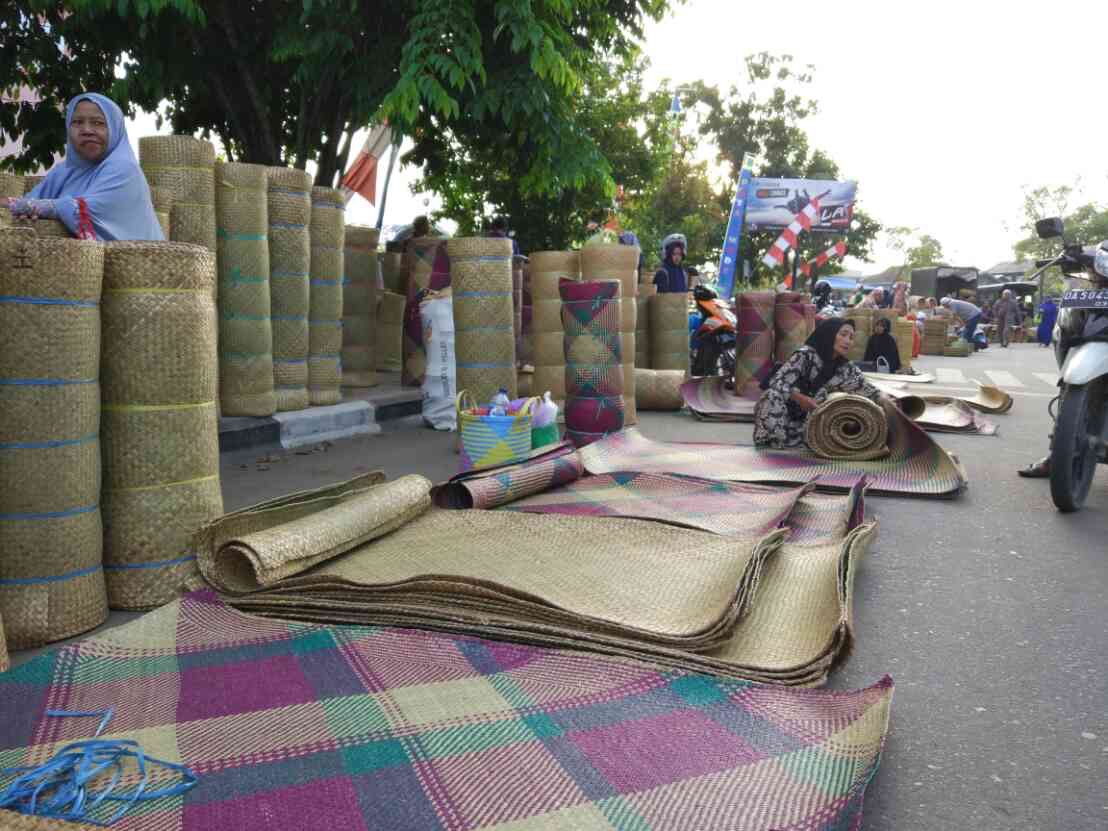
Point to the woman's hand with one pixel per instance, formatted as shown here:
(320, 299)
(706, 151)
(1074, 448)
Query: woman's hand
(34, 208)
(807, 403)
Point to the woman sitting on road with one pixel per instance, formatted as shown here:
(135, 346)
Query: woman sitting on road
(883, 345)
(816, 369)
(99, 191)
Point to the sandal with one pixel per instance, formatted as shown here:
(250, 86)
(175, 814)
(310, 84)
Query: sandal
(1036, 470)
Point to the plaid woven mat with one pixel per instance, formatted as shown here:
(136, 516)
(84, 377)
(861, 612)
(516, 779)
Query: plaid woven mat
(299, 726)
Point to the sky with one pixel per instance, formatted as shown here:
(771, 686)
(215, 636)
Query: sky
(942, 112)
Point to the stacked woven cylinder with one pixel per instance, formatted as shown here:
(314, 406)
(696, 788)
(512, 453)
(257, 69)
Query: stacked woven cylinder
(484, 338)
(789, 326)
(517, 304)
(595, 398)
(642, 326)
(428, 268)
(162, 199)
(31, 182)
(659, 389)
(754, 346)
(51, 539)
(328, 237)
(527, 319)
(185, 167)
(245, 328)
(390, 331)
(394, 273)
(159, 427)
(863, 328)
(934, 336)
(359, 307)
(548, 268)
(621, 262)
(904, 331)
(289, 205)
(11, 187)
(669, 331)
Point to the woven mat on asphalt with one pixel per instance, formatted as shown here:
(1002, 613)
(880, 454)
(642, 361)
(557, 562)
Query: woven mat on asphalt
(710, 400)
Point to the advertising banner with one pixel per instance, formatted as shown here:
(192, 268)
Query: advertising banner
(771, 204)
(729, 258)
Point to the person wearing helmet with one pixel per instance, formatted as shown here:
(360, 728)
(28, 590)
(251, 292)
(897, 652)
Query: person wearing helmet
(671, 277)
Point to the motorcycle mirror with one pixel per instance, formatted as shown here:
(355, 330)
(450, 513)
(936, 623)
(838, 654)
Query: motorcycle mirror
(1050, 227)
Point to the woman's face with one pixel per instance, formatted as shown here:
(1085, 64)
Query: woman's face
(843, 341)
(882, 326)
(88, 131)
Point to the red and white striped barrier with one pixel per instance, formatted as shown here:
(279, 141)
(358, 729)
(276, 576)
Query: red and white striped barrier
(836, 250)
(801, 222)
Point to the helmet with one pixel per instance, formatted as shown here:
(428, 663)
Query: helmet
(672, 240)
(1100, 260)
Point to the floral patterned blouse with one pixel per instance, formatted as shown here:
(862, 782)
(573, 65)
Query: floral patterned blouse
(779, 421)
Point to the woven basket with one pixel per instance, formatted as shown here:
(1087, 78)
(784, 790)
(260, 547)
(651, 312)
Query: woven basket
(51, 576)
(754, 344)
(848, 427)
(863, 328)
(390, 331)
(184, 167)
(160, 434)
(12, 187)
(328, 236)
(245, 329)
(620, 262)
(484, 338)
(659, 389)
(359, 307)
(669, 331)
(428, 268)
(393, 272)
(290, 209)
(547, 337)
(491, 440)
(44, 228)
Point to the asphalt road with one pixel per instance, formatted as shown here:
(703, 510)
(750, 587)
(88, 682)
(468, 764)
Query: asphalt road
(990, 611)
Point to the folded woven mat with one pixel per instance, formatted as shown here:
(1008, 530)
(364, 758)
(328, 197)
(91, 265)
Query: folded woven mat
(490, 487)
(848, 427)
(709, 399)
(939, 414)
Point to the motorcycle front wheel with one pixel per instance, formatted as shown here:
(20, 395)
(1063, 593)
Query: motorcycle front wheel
(1073, 458)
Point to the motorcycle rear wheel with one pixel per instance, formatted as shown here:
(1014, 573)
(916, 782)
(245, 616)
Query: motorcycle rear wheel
(1073, 458)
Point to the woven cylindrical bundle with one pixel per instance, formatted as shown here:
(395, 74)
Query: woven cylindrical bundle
(547, 335)
(669, 331)
(659, 389)
(863, 328)
(359, 307)
(484, 340)
(428, 268)
(51, 574)
(289, 204)
(328, 235)
(754, 345)
(245, 329)
(848, 427)
(595, 399)
(44, 228)
(517, 304)
(642, 326)
(790, 329)
(934, 336)
(621, 262)
(184, 166)
(810, 312)
(527, 320)
(904, 332)
(11, 186)
(31, 182)
(162, 199)
(390, 331)
(394, 272)
(159, 429)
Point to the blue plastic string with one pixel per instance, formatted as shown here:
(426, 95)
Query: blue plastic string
(47, 301)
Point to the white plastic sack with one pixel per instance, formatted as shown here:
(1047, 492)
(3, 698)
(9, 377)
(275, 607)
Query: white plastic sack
(440, 381)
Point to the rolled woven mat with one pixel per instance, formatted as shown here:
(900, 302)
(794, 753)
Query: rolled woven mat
(484, 338)
(904, 332)
(669, 331)
(810, 313)
(547, 335)
(159, 428)
(621, 262)
(11, 186)
(245, 328)
(709, 399)
(51, 575)
(527, 320)
(328, 235)
(659, 389)
(517, 305)
(934, 336)
(941, 414)
(390, 331)
(394, 272)
(491, 487)
(754, 342)
(359, 307)
(185, 167)
(848, 427)
(863, 328)
(642, 326)
(31, 182)
(46, 228)
(4, 663)
(594, 377)
(289, 203)
(789, 325)
(428, 268)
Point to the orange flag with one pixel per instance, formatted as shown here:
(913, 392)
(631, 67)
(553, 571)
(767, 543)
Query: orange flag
(361, 178)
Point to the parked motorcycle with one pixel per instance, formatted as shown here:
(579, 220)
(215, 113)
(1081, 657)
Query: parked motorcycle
(1081, 350)
(713, 339)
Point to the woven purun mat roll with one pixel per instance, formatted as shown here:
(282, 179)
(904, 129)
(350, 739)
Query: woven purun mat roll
(242, 257)
(491, 487)
(904, 334)
(595, 399)
(789, 326)
(754, 343)
(4, 662)
(547, 336)
(428, 268)
(642, 325)
(45, 228)
(620, 262)
(31, 182)
(484, 338)
(184, 166)
(390, 331)
(51, 539)
(328, 237)
(289, 203)
(159, 429)
(162, 198)
(527, 320)
(848, 427)
(669, 331)
(659, 389)
(359, 307)
(517, 305)
(12, 187)
(394, 274)
(863, 328)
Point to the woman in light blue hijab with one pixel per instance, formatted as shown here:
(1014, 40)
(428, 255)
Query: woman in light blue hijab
(100, 186)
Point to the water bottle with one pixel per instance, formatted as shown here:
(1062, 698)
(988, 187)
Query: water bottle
(500, 403)
(546, 413)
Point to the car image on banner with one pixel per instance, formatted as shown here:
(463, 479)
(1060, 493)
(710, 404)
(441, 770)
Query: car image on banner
(772, 203)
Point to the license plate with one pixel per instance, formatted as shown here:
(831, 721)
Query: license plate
(1085, 299)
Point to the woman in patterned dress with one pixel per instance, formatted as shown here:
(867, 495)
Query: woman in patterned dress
(816, 369)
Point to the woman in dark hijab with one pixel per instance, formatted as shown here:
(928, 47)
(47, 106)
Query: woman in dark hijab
(817, 368)
(883, 345)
